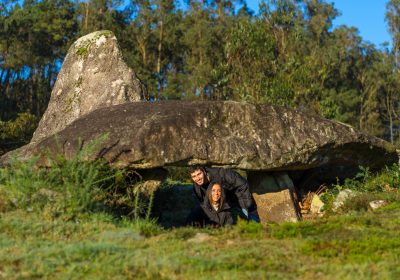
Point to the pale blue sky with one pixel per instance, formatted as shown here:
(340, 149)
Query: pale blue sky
(367, 15)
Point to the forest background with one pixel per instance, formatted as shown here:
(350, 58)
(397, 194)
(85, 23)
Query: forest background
(289, 54)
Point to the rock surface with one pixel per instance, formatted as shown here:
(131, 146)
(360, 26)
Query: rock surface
(376, 204)
(341, 199)
(92, 76)
(275, 197)
(200, 237)
(316, 205)
(144, 135)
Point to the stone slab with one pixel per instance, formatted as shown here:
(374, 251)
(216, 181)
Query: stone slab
(275, 197)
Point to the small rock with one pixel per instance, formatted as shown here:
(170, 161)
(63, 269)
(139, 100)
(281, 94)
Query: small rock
(316, 205)
(50, 194)
(200, 238)
(341, 198)
(121, 235)
(230, 242)
(377, 204)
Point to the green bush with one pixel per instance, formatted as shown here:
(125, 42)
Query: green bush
(70, 188)
(368, 187)
(14, 134)
(178, 174)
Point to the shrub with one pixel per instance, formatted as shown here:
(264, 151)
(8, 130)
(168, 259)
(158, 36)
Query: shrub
(178, 174)
(14, 134)
(368, 187)
(70, 188)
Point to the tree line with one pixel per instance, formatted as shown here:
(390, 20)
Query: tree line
(289, 54)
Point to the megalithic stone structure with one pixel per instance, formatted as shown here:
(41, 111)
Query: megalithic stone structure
(96, 97)
(93, 75)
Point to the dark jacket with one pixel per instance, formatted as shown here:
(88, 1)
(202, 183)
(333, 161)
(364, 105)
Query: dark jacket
(231, 181)
(220, 217)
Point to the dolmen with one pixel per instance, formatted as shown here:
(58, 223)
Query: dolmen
(282, 151)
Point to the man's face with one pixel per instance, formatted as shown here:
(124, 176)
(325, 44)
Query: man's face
(216, 193)
(198, 177)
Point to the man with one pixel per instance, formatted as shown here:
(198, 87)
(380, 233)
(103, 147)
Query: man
(232, 182)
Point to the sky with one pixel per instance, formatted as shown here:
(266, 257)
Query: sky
(367, 15)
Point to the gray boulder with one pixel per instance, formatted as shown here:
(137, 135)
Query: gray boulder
(92, 76)
(275, 196)
(341, 198)
(146, 135)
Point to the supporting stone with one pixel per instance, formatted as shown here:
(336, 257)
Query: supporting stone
(275, 196)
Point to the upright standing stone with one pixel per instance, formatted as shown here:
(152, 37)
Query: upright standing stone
(92, 76)
(275, 196)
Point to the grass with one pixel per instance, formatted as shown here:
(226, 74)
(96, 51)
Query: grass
(364, 245)
(65, 223)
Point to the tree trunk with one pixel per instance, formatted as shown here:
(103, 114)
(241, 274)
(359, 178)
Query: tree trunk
(160, 49)
(86, 15)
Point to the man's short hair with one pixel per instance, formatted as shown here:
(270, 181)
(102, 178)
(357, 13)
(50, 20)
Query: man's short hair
(194, 168)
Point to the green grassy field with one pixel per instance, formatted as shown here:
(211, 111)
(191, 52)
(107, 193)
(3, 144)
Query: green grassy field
(353, 246)
(62, 223)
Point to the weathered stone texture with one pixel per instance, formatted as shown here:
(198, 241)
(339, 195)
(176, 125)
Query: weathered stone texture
(275, 197)
(92, 76)
(276, 207)
(251, 137)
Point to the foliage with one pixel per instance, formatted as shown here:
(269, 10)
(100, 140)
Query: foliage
(16, 133)
(72, 188)
(58, 223)
(367, 186)
(178, 174)
(34, 37)
(288, 54)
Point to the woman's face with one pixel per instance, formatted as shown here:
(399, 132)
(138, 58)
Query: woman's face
(216, 193)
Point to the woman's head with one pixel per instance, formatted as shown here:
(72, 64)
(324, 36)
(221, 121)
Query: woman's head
(215, 194)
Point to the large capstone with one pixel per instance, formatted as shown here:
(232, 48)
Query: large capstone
(92, 76)
(145, 135)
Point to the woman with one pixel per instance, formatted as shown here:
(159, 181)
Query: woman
(215, 206)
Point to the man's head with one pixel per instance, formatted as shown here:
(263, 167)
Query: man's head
(198, 175)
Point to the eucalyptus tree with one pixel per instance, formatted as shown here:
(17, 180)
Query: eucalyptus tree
(93, 15)
(152, 43)
(393, 90)
(393, 20)
(202, 50)
(34, 40)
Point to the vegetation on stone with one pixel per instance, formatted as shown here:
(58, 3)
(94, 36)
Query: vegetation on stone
(82, 51)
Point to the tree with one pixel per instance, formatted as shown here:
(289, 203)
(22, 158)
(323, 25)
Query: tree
(33, 42)
(393, 20)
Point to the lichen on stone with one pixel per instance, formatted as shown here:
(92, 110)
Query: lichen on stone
(83, 51)
(79, 81)
(83, 44)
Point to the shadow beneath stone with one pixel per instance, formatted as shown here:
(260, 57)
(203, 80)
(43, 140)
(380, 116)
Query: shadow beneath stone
(172, 205)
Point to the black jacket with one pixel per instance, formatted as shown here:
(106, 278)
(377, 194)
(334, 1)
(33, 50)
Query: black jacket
(220, 217)
(231, 182)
